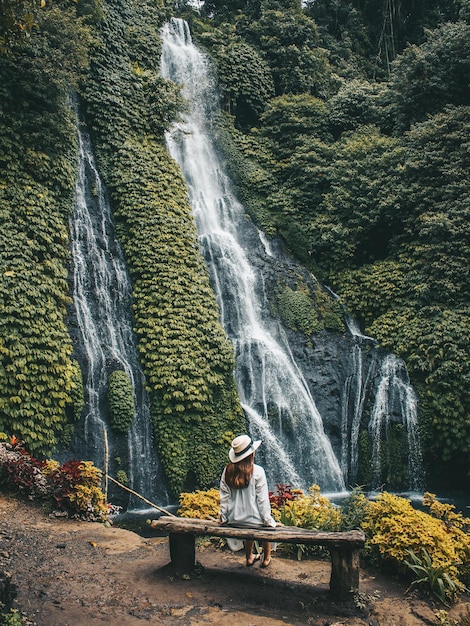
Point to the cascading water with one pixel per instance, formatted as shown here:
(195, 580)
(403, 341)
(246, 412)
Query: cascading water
(356, 389)
(395, 397)
(102, 300)
(275, 396)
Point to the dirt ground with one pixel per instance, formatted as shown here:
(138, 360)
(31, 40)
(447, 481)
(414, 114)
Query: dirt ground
(72, 573)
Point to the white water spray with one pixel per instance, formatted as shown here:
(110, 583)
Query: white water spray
(276, 398)
(103, 302)
(395, 396)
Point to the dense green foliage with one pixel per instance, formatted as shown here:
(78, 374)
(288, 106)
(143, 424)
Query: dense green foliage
(187, 360)
(120, 401)
(346, 133)
(360, 162)
(37, 185)
(16, 21)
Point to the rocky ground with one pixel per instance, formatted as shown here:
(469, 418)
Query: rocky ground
(72, 573)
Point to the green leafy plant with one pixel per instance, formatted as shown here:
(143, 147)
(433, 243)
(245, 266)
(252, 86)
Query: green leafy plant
(120, 401)
(11, 618)
(354, 509)
(74, 486)
(122, 477)
(435, 579)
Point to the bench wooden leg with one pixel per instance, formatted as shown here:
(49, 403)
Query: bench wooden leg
(344, 571)
(183, 551)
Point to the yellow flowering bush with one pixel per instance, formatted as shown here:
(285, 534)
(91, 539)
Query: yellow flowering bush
(88, 499)
(394, 529)
(50, 467)
(457, 526)
(200, 504)
(308, 511)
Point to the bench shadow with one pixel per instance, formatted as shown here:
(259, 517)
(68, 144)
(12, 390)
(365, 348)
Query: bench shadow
(254, 590)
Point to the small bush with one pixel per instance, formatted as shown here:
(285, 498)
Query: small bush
(394, 530)
(312, 511)
(74, 487)
(354, 510)
(120, 401)
(12, 618)
(200, 504)
(309, 511)
(122, 477)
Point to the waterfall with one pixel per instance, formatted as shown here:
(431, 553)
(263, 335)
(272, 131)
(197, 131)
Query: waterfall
(356, 387)
(275, 396)
(102, 299)
(395, 397)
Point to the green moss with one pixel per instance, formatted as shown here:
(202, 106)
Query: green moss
(120, 401)
(37, 188)
(308, 311)
(364, 472)
(77, 393)
(297, 310)
(122, 477)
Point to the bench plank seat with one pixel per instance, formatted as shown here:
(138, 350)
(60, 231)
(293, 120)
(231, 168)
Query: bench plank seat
(344, 547)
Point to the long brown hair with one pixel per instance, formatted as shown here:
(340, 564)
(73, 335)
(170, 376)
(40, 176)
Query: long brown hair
(238, 475)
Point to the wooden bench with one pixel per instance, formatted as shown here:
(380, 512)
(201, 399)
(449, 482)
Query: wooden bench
(344, 547)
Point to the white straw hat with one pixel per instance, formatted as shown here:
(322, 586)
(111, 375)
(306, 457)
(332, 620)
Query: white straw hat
(242, 447)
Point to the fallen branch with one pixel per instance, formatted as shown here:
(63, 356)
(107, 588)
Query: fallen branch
(134, 493)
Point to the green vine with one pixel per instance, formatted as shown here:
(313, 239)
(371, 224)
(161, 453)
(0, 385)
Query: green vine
(37, 187)
(120, 401)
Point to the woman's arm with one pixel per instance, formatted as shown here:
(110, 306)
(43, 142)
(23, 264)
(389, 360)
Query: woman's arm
(262, 498)
(224, 493)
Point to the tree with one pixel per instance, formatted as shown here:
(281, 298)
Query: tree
(244, 77)
(361, 215)
(358, 103)
(289, 42)
(17, 19)
(436, 232)
(426, 78)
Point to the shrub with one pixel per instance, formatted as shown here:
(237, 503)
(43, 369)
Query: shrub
(291, 507)
(354, 510)
(394, 529)
(74, 487)
(284, 494)
(200, 504)
(122, 477)
(309, 511)
(120, 401)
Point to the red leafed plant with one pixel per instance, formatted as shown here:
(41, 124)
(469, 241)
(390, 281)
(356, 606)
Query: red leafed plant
(73, 487)
(284, 494)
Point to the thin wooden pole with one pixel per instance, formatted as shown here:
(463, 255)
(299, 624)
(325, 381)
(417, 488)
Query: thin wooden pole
(106, 463)
(134, 493)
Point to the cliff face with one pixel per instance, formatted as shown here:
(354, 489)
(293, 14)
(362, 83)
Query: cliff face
(361, 392)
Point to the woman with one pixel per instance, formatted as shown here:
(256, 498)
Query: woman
(244, 497)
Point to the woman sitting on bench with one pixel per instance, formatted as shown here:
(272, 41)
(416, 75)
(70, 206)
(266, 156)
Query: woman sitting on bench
(244, 497)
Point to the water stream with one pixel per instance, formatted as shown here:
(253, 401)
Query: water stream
(275, 396)
(102, 298)
(395, 396)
